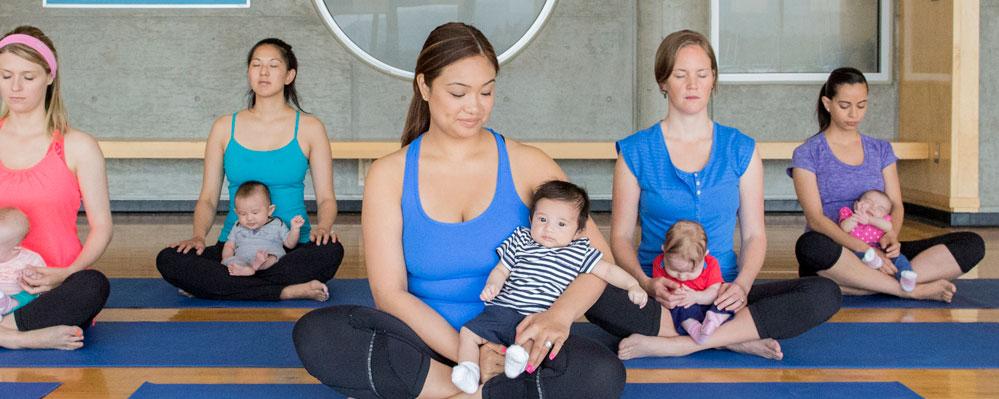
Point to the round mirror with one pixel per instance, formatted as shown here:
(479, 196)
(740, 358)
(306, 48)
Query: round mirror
(388, 34)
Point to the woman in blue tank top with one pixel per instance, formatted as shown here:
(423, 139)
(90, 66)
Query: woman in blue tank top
(434, 213)
(275, 144)
(688, 167)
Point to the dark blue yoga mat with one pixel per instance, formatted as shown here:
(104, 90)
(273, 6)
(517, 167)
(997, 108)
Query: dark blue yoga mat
(849, 345)
(770, 390)
(156, 293)
(971, 294)
(170, 344)
(27, 390)
(268, 344)
(761, 390)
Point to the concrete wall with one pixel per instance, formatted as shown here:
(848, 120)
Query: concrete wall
(588, 76)
(988, 102)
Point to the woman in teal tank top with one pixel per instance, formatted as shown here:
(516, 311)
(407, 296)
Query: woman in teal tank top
(434, 212)
(275, 144)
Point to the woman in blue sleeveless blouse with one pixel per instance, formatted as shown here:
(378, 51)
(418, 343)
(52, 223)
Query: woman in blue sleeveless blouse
(275, 144)
(434, 213)
(688, 167)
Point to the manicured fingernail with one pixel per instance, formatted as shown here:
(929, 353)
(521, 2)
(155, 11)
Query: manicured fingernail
(504, 349)
(530, 368)
(551, 356)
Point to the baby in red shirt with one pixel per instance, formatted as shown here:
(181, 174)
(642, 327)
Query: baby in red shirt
(685, 260)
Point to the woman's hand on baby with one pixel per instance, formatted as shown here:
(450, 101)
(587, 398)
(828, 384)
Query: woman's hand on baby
(536, 331)
(887, 266)
(686, 295)
(297, 222)
(321, 236)
(662, 288)
(39, 279)
(491, 360)
(890, 244)
(638, 296)
(488, 293)
(195, 243)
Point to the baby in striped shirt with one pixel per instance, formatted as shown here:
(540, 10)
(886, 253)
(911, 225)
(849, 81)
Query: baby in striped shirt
(536, 265)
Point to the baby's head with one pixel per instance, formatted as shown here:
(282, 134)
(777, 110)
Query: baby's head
(253, 204)
(559, 213)
(873, 203)
(684, 249)
(13, 227)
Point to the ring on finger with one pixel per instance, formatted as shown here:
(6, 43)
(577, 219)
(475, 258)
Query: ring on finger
(548, 344)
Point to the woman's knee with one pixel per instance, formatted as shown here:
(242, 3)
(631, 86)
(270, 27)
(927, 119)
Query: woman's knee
(592, 371)
(166, 261)
(828, 298)
(815, 252)
(94, 285)
(968, 248)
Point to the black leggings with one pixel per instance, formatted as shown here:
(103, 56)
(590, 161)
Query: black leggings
(366, 353)
(75, 302)
(204, 276)
(817, 252)
(780, 309)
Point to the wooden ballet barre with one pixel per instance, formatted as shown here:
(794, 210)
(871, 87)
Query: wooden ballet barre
(596, 150)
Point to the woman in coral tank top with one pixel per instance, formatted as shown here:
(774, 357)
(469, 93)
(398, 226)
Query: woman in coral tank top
(46, 170)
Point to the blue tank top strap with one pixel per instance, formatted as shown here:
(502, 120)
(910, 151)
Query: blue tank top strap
(298, 116)
(232, 127)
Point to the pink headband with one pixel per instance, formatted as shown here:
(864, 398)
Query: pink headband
(35, 44)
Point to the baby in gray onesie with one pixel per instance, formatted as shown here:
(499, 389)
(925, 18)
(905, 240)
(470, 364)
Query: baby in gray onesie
(258, 239)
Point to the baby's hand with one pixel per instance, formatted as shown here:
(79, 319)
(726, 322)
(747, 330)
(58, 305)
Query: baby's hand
(686, 297)
(488, 293)
(638, 296)
(860, 218)
(297, 222)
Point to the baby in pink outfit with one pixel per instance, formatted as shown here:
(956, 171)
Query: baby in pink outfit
(869, 220)
(14, 259)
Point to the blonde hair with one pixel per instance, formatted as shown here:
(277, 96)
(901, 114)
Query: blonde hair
(13, 224)
(55, 109)
(687, 239)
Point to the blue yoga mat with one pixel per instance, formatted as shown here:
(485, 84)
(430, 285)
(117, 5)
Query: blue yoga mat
(27, 390)
(156, 293)
(761, 390)
(170, 344)
(849, 345)
(268, 344)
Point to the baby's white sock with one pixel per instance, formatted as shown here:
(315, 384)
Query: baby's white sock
(516, 361)
(465, 376)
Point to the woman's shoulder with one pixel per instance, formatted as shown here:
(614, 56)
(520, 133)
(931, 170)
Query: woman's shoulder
(533, 161)
(79, 142)
(388, 168)
(642, 135)
(733, 134)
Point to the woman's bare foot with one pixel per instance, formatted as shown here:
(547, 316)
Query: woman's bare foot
(765, 348)
(55, 337)
(940, 290)
(313, 290)
(643, 345)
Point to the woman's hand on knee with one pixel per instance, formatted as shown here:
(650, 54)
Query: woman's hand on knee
(321, 236)
(195, 243)
(540, 334)
(731, 297)
(36, 279)
(890, 244)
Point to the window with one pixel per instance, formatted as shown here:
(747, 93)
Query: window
(775, 41)
(389, 34)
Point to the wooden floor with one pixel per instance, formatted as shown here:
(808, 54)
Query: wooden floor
(138, 237)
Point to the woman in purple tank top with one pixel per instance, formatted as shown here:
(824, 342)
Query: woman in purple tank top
(449, 176)
(832, 169)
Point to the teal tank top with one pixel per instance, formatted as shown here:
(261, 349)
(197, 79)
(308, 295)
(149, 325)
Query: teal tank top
(282, 170)
(447, 263)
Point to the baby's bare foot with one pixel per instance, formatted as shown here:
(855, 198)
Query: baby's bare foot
(259, 260)
(240, 270)
(313, 290)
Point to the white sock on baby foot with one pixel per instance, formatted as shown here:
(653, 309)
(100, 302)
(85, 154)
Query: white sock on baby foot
(465, 376)
(516, 361)
(908, 280)
(871, 259)
(712, 320)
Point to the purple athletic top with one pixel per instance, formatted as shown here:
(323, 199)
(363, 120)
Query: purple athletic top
(840, 184)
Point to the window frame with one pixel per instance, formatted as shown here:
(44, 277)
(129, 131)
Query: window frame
(885, 49)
